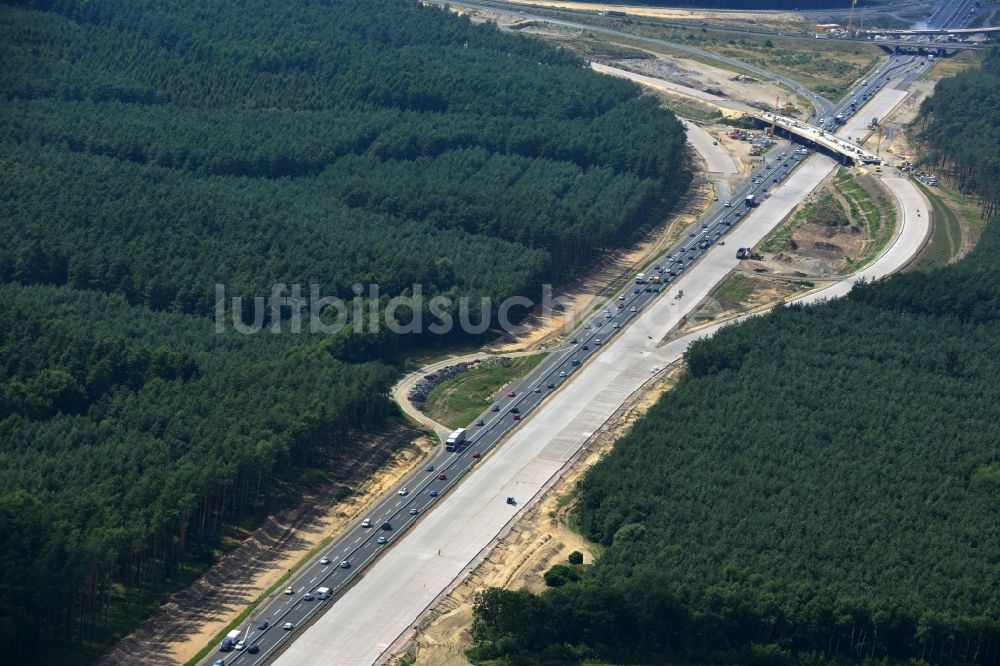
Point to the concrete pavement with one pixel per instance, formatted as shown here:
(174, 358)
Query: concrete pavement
(381, 608)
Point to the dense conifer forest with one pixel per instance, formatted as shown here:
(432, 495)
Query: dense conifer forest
(962, 138)
(821, 487)
(150, 150)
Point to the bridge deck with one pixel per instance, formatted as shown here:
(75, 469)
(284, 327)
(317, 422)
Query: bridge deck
(818, 136)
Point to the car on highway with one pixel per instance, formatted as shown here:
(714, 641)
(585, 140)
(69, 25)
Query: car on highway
(729, 204)
(614, 325)
(414, 511)
(403, 491)
(308, 596)
(325, 561)
(240, 646)
(480, 423)
(345, 565)
(433, 493)
(387, 525)
(562, 373)
(585, 347)
(219, 662)
(511, 394)
(575, 361)
(442, 477)
(495, 408)
(572, 341)
(289, 590)
(288, 626)
(381, 540)
(475, 454)
(253, 649)
(621, 306)
(597, 342)
(429, 468)
(550, 385)
(538, 389)
(621, 297)
(517, 417)
(632, 309)
(515, 410)
(263, 624)
(367, 522)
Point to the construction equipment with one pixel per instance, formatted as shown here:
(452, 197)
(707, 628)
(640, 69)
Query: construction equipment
(850, 19)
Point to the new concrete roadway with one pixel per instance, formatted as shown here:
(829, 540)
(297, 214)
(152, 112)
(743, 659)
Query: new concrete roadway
(380, 609)
(433, 549)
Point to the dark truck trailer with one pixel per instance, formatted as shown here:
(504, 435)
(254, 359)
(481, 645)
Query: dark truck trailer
(751, 200)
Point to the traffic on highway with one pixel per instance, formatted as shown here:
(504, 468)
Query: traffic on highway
(275, 622)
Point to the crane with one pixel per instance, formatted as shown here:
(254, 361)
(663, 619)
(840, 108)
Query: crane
(850, 18)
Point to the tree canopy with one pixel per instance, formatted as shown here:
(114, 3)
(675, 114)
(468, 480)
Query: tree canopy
(820, 487)
(150, 150)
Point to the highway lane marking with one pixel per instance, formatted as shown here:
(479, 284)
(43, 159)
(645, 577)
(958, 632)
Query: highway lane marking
(482, 434)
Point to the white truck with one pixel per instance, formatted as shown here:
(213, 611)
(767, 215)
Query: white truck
(640, 278)
(322, 593)
(229, 642)
(454, 440)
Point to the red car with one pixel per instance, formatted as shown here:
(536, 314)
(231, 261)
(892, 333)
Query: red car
(511, 394)
(475, 454)
(442, 477)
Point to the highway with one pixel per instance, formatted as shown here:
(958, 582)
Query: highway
(951, 14)
(393, 593)
(821, 105)
(361, 545)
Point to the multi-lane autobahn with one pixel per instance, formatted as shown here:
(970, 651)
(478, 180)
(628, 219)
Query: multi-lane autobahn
(359, 546)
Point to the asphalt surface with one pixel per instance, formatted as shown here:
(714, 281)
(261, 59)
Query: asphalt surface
(359, 546)
(440, 548)
(821, 105)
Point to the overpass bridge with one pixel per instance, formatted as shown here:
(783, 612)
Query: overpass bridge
(846, 150)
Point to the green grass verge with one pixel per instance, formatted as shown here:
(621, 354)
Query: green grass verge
(732, 295)
(824, 209)
(881, 223)
(457, 401)
(946, 237)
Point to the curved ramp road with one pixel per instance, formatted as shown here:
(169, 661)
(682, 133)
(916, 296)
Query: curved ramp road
(383, 604)
(912, 234)
(375, 605)
(368, 620)
(716, 159)
(379, 610)
(822, 105)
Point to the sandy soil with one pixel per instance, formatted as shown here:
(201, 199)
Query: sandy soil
(766, 292)
(539, 540)
(700, 76)
(896, 142)
(194, 616)
(732, 18)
